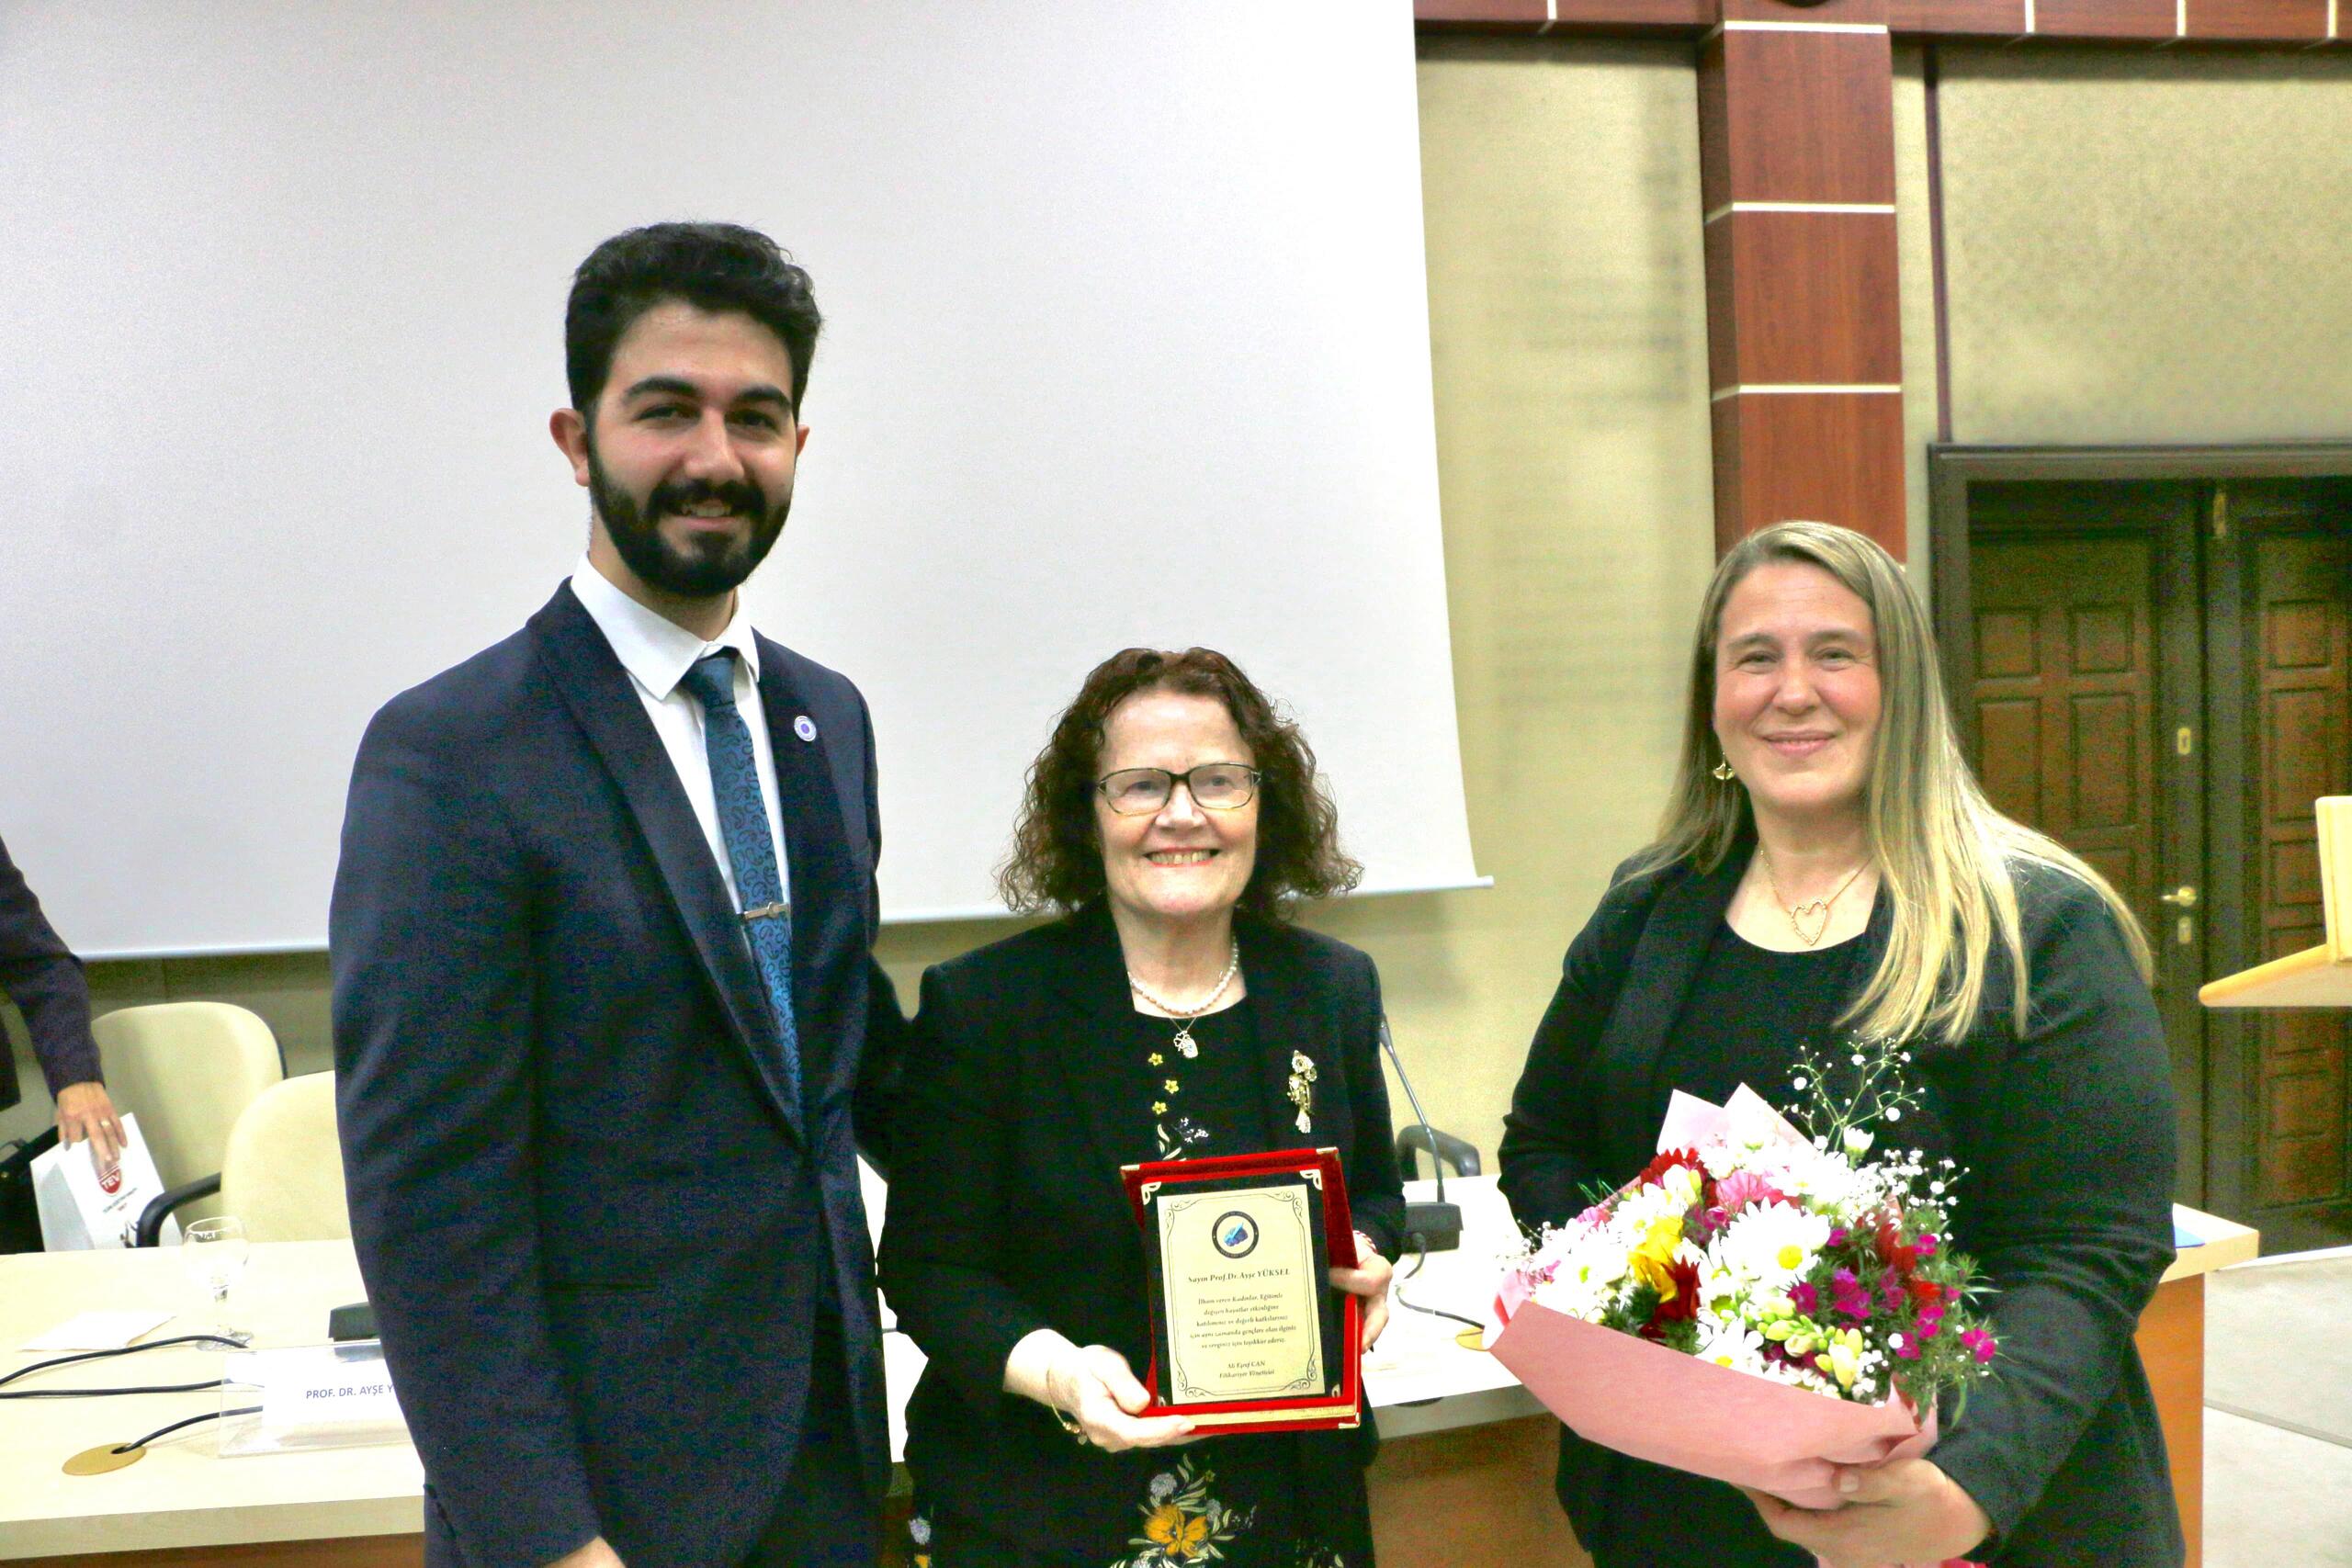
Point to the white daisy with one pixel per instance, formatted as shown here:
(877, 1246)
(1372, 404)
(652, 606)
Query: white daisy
(1769, 1246)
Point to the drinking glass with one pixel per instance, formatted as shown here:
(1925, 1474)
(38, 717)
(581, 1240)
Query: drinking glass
(213, 1252)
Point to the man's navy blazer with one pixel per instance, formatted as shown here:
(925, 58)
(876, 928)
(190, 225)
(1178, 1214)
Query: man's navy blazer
(593, 1224)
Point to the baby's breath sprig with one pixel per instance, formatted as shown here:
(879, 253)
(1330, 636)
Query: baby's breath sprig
(1877, 1090)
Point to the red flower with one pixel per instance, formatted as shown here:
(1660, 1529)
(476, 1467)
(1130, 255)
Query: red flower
(1677, 1304)
(1654, 1173)
(1888, 1244)
(1923, 1291)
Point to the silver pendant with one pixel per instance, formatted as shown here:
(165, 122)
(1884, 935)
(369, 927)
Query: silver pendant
(1183, 1041)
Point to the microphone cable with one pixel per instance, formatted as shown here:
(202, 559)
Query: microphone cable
(1420, 1256)
(104, 1355)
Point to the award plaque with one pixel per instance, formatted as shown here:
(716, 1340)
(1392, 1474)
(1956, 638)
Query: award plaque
(1247, 1332)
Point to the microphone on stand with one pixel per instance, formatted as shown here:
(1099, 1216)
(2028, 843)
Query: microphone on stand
(1437, 1226)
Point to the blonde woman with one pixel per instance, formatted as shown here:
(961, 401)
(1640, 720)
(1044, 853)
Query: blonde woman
(1827, 869)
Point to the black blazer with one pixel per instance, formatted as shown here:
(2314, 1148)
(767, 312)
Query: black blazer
(44, 979)
(2067, 1134)
(595, 1231)
(1007, 1215)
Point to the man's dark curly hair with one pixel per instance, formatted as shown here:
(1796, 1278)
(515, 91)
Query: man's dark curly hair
(1057, 858)
(716, 268)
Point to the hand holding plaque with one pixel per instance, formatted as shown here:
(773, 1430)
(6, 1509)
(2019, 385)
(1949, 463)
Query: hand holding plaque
(1247, 1332)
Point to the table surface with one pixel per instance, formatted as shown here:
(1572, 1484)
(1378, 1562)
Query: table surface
(185, 1493)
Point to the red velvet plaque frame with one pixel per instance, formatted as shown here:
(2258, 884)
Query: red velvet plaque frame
(1336, 1405)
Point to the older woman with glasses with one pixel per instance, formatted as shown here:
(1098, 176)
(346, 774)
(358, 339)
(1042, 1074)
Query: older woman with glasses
(1170, 1013)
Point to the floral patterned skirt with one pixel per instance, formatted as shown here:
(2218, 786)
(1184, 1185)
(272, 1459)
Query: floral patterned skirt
(1210, 1503)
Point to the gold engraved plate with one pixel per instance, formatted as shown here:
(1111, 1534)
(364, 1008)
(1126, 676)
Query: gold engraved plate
(102, 1459)
(1242, 1296)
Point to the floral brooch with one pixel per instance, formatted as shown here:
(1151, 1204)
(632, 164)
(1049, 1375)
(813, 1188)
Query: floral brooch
(1301, 1091)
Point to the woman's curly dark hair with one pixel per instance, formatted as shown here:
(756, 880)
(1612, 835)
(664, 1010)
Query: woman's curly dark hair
(1057, 858)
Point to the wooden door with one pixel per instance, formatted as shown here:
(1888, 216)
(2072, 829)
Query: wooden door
(2279, 558)
(2161, 679)
(2084, 681)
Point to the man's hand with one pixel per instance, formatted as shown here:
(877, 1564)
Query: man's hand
(1903, 1511)
(595, 1554)
(1369, 1279)
(84, 1111)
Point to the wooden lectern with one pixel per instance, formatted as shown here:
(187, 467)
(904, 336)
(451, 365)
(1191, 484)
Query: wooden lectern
(2318, 977)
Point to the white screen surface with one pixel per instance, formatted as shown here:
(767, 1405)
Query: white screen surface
(1126, 343)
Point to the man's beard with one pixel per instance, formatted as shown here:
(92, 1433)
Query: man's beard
(717, 564)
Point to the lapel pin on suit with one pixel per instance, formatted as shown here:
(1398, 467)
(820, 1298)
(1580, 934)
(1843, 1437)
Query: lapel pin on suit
(804, 727)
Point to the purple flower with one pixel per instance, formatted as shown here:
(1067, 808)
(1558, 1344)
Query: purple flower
(1979, 1343)
(1849, 1296)
(1805, 1298)
(1926, 1246)
(1838, 1235)
(1932, 1320)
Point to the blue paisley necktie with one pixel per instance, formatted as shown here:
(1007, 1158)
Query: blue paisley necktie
(743, 826)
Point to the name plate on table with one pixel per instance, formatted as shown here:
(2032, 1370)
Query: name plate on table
(311, 1396)
(1247, 1332)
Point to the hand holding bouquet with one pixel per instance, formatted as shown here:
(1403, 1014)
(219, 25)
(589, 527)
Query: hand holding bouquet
(1757, 1306)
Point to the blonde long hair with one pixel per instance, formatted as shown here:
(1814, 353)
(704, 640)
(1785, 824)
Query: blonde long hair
(1945, 856)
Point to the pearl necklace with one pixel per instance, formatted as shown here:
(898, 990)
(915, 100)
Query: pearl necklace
(1184, 1043)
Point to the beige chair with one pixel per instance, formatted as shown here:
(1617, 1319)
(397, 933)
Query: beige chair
(188, 1070)
(283, 1171)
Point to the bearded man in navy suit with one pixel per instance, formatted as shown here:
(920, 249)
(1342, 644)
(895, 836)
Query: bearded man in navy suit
(606, 1017)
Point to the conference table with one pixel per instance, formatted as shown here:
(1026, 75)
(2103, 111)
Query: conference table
(1464, 1476)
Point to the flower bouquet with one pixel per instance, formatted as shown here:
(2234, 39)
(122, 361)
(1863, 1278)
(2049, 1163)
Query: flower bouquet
(1757, 1306)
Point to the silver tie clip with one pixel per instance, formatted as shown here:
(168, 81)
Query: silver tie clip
(765, 911)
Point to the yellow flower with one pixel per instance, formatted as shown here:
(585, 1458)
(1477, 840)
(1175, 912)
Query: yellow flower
(1160, 1108)
(1653, 1256)
(1845, 1356)
(1169, 1528)
(1169, 1084)
(1156, 1058)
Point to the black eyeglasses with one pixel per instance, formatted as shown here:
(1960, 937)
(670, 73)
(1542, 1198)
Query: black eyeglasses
(1214, 786)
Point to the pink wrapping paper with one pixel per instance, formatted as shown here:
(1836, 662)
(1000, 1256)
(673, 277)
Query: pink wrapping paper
(1659, 1405)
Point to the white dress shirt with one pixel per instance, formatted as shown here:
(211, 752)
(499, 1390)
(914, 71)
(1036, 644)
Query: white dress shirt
(657, 653)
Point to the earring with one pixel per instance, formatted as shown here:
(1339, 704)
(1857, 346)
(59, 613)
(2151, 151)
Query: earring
(1723, 770)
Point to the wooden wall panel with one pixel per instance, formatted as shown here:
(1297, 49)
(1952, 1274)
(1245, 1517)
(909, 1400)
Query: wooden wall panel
(2105, 18)
(1794, 279)
(1833, 458)
(2258, 21)
(1962, 18)
(2116, 21)
(1796, 117)
(1870, 13)
(1796, 131)
(1635, 18)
